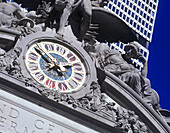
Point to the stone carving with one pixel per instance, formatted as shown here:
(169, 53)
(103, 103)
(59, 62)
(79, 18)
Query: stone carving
(120, 65)
(61, 11)
(9, 61)
(97, 103)
(10, 13)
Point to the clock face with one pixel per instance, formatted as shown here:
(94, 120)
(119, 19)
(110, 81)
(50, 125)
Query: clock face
(55, 66)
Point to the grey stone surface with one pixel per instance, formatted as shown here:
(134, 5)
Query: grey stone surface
(21, 116)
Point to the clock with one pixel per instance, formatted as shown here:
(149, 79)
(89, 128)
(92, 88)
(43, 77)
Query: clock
(56, 64)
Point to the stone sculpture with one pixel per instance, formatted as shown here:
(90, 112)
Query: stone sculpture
(10, 13)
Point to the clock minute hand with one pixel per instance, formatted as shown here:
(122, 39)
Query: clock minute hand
(52, 60)
(39, 52)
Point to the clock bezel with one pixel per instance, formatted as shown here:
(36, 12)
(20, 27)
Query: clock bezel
(74, 46)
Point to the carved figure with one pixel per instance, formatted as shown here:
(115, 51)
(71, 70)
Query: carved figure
(119, 64)
(83, 7)
(9, 12)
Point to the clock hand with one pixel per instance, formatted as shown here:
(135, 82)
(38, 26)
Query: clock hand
(39, 52)
(62, 69)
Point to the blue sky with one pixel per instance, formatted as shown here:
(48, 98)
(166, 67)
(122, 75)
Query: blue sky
(159, 62)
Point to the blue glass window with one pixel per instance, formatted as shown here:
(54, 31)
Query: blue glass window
(148, 18)
(149, 11)
(120, 14)
(145, 32)
(139, 20)
(127, 2)
(141, 13)
(138, 27)
(130, 4)
(113, 9)
(134, 24)
(141, 29)
(149, 35)
(152, 13)
(129, 12)
(143, 22)
(125, 9)
(146, 8)
(146, 25)
(115, 2)
(131, 21)
(122, 7)
(144, 15)
(117, 11)
(136, 1)
(150, 27)
(134, 7)
(154, 6)
(127, 19)
(142, 5)
(118, 4)
(124, 16)
(151, 20)
(123, 0)
(136, 17)
(110, 6)
(133, 14)
(137, 10)
(139, 3)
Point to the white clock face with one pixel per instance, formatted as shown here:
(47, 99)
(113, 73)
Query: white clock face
(55, 66)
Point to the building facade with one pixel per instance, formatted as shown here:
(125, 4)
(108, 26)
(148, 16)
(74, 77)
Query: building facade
(137, 14)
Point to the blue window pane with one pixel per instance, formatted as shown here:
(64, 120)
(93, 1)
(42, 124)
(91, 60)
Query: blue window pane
(144, 15)
(124, 16)
(141, 29)
(136, 17)
(151, 20)
(122, 7)
(120, 14)
(127, 19)
(150, 27)
(148, 18)
(127, 2)
(142, 5)
(139, 3)
(130, 4)
(115, 2)
(123, 0)
(152, 13)
(117, 11)
(134, 7)
(154, 6)
(132, 14)
(145, 32)
(110, 6)
(131, 21)
(113, 9)
(118, 4)
(138, 27)
(146, 25)
(125, 9)
(129, 12)
(141, 13)
(146, 8)
(149, 11)
(136, 1)
(149, 35)
(143, 22)
(134, 24)
(137, 10)
(140, 20)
